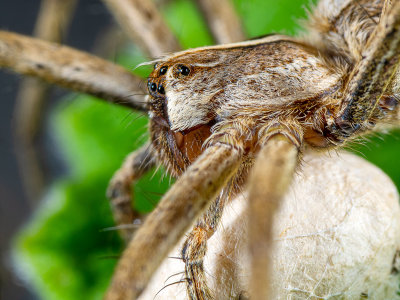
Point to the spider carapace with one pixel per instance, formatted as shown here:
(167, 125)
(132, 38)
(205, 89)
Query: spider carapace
(242, 87)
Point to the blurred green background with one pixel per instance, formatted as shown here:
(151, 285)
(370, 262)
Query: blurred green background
(63, 251)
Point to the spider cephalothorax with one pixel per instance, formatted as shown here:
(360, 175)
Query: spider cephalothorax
(218, 87)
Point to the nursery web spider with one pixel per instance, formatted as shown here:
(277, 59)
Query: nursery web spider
(223, 113)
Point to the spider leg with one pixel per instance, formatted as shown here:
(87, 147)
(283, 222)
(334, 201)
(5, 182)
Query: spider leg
(71, 69)
(195, 249)
(371, 76)
(144, 24)
(183, 203)
(269, 180)
(51, 25)
(222, 20)
(119, 190)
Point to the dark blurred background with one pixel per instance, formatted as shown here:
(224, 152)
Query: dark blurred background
(89, 19)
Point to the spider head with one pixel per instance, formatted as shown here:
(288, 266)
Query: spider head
(183, 99)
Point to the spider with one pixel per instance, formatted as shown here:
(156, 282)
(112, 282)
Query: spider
(210, 128)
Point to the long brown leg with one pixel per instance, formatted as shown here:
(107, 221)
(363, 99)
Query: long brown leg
(71, 69)
(195, 249)
(371, 76)
(183, 203)
(119, 190)
(144, 24)
(268, 183)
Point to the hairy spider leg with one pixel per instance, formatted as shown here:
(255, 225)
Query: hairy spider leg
(119, 191)
(370, 78)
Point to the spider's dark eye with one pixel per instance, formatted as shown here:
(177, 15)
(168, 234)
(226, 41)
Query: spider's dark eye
(161, 89)
(152, 86)
(183, 70)
(163, 70)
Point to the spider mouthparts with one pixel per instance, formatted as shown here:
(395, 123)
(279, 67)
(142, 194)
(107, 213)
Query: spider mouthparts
(190, 141)
(179, 138)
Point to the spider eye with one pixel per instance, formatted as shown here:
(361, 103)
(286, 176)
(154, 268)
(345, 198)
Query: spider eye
(161, 89)
(152, 86)
(183, 70)
(163, 70)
